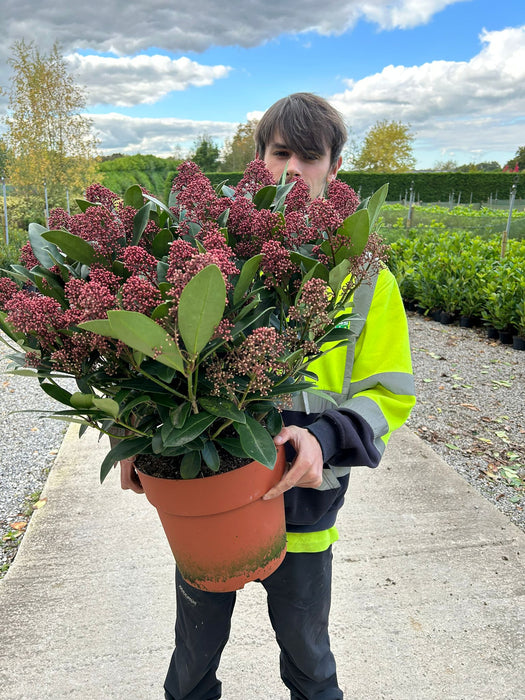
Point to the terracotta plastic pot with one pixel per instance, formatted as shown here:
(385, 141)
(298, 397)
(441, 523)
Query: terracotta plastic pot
(222, 534)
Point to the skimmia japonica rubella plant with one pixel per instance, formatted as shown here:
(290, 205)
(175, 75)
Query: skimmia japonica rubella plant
(187, 327)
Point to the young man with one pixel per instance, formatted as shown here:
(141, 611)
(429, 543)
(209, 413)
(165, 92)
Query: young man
(373, 385)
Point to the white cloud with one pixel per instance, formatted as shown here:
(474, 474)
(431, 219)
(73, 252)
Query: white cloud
(126, 29)
(122, 134)
(142, 79)
(479, 104)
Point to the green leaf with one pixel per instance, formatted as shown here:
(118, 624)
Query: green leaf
(57, 392)
(321, 394)
(304, 260)
(161, 206)
(84, 205)
(125, 448)
(282, 191)
(222, 408)
(21, 273)
(274, 422)
(211, 456)
(140, 221)
(248, 272)
(81, 401)
(338, 275)
(161, 243)
(107, 406)
(233, 446)
(263, 199)
(179, 415)
(43, 250)
(141, 333)
(160, 311)
(375, 203)
(257, 442)
(100, 326)
(133, 197)
(201, 306)
(190, 465)
(73, 246)
(194, 426)
(356, 228)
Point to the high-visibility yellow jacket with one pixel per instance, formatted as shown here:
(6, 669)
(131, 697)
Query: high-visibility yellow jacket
(371, 380)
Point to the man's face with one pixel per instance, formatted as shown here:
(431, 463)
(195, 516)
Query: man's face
(316, 172)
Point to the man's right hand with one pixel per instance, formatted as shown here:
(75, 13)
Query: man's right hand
(129, 479)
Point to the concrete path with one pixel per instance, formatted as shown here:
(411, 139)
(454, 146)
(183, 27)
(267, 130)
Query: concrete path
(429, 592)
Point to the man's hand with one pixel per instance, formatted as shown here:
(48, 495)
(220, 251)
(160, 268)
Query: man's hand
(128, 476)
(307, 468)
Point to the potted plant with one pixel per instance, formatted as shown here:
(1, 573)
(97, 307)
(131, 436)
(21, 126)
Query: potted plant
(187, 327)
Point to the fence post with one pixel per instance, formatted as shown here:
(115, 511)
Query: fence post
(47, 203)
(5, 212)
(505, 234)
(67, 200)
(411, 205)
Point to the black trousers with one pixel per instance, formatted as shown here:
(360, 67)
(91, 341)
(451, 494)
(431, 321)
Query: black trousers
(299, 596)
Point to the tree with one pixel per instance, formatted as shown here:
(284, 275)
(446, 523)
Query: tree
(518, 160)
(49, 138)
(387, 148)
(206, 154)
(240, 149)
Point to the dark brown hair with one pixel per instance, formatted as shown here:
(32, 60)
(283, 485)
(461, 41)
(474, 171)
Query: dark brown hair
(307, 124)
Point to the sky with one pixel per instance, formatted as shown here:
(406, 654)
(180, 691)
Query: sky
(159, 75)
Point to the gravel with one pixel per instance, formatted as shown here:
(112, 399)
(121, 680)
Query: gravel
(28, 445)
(470, 409)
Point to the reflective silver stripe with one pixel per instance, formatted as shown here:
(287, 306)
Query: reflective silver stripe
(330, 479)
(362, 300)
(373, 415)
(396, 382)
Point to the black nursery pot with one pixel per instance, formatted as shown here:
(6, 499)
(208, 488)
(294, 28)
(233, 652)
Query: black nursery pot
(446, 318)
(467, 322)
(518, 343)
(492, 333)
(505, 337)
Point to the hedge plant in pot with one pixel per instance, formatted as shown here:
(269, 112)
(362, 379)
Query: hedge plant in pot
(187, 328)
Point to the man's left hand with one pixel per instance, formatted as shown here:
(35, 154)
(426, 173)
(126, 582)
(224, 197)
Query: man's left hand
(307, 468)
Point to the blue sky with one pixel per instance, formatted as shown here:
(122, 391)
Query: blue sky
(158, 76)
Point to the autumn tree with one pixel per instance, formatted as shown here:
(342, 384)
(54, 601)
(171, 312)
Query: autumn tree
(240, 149)
(387, 148)
(49, 138)
(205, 154)
(518, 160)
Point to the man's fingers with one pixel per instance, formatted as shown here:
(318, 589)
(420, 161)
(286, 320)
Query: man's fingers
(128, 476)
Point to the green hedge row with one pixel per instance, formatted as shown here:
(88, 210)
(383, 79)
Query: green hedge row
(462, 275)
(437, 187)
(149, 171)
(428, 187)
